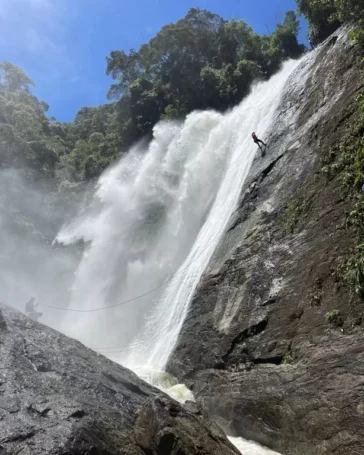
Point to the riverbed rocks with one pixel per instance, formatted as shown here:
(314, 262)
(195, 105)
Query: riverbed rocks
(273, 344)
(59, 397)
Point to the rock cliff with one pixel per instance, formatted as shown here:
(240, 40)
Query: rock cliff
(58, 397)
(273, 344)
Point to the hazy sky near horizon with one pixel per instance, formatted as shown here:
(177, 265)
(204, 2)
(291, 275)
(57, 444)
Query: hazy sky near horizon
(62, 44)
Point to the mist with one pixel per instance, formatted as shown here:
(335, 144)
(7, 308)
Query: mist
(31, 266)
(117, 270)
(141, 228)
(153, 224)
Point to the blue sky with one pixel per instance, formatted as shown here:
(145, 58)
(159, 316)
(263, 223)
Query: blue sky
(62, 44)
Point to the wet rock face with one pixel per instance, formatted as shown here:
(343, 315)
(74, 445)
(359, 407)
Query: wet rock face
(257, 347)
(57, 396)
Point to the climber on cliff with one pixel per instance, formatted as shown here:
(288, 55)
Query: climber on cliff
(258, 142)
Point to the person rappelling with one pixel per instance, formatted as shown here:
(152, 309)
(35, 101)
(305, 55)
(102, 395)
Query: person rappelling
(258, 142)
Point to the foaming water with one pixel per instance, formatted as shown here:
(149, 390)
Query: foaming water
(179, 392)
(147, 212)
(155, 222)
(231, 138)
(250, 447)
(167, 383)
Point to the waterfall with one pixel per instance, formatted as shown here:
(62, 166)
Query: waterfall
(156, 219)
(231, 138)
(155, 222)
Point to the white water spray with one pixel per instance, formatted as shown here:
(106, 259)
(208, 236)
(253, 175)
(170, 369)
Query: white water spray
(230, 137)
(155, 222)
(157, 218)
(148, 211)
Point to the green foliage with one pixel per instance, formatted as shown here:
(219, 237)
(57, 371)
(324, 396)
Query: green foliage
(315, 296)
(287, 359)
(352, 272)
(352, 12)
(284, 39)
(171, 112)
(43, 148)
(348, 158)
(320, 15)
(334, 318)
(199, 62)
(325, 16)
(292, 214)
(27, 140)
(347, 164)
(13, 78)
(94, 140)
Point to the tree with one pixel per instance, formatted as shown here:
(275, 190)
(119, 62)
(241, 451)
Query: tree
(325, 16)
(13, 78)
(202, 61)
(352, 11)
(125, 68)
(199, 62)
(27, 141)
(320, 14)
(285, 37)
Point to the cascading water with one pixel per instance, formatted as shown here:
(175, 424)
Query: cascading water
(230, 137)
(148, 211)
(156, 220)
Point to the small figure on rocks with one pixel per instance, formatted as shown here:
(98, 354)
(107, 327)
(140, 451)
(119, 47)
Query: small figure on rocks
(30, 309)
(258, 142)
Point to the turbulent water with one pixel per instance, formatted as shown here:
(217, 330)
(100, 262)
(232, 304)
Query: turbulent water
(230, 138)
(250, 447)
(155, 222)
(181, 393)
(156, 219)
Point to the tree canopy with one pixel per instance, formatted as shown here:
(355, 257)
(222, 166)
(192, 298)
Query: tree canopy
(202, 61)
(27, 140)
(325, 16)
(43, 148)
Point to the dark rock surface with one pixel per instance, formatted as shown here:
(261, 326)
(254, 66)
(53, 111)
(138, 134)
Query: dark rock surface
(256, 347)
(58, 397)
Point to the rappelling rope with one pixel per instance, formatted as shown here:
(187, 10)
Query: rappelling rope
(134, 298)
(141, 295)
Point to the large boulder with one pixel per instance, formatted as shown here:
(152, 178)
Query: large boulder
(59, 397)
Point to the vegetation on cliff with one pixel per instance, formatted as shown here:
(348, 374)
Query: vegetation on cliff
(325, 16)
(346, 162)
